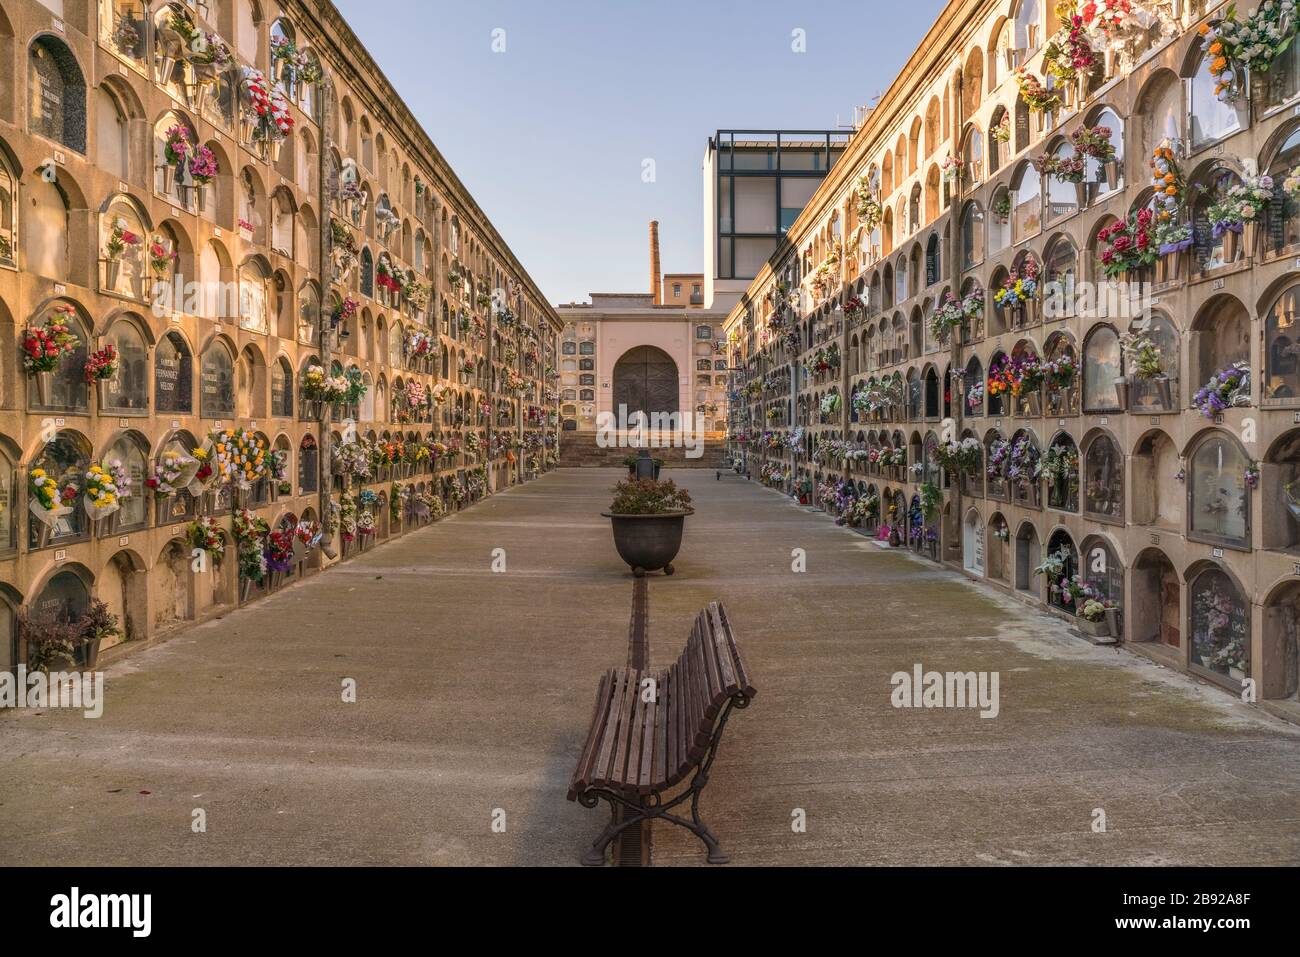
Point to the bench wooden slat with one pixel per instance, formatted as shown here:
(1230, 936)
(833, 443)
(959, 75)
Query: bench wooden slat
(587, 759)
(642, 747)
(660, 766)
(627, 723)
(605, 760)
(742, 673)
(722, 651)
(646, 764)
(698, 723)
(713, 678)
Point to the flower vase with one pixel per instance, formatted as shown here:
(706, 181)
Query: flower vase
(1113, 627)
(167, 171)
(200, 197)
(1169, 268)
(277, 147)
(1236, 674)
(1230, 242)
(1081, 194)
(44, 386)
(166, 66)
(1250, 234)
(101, 393)
(247, 126)
(112, 272)
(1164, 390)
(1122, 391)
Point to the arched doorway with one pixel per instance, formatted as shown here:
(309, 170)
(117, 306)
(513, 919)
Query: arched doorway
(645, 380)
(1156, 614)
(973, 543)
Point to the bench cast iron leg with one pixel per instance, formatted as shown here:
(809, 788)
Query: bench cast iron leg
(594, 856)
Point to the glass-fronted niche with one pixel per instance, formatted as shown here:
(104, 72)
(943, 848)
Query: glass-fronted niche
(1220, 626)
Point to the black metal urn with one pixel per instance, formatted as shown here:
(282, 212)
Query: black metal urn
(648, 542)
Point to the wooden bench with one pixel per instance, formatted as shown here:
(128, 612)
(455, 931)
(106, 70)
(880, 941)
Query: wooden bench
(652, 730)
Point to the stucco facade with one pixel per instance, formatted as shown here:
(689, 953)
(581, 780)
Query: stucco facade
(134, 158)
(1176, 512)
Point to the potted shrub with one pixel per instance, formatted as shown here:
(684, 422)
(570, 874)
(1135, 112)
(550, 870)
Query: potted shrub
(648, 518)
(97, 624)
(1093, 620)
(52, 640)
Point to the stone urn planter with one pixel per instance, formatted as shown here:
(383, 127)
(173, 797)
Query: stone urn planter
(648, 542)
(1097, 629)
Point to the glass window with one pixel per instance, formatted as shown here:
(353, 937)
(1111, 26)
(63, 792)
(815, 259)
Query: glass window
(972, 236)
(1220, 625)
(308, 315)
(281, 389)
(173, 374)
(1209, 117)
(1028, 205)
(1282, 348)
(217, 395)
(64, 388)
(1101, 367)
(252, 298)
(64, 460)
(1148, 395)
(8, 215)
(8, 483)
(128, 389)
(130, 455)
(1103, 479)
(1220, 502)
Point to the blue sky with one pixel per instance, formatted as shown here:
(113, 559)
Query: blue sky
(550, 134)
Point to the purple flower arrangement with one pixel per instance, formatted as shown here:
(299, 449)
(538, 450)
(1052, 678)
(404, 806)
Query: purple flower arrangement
(1228, 387)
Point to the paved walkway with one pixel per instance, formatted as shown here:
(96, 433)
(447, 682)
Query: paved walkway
(474, 689)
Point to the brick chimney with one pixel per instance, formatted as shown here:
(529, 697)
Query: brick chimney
(656, 284)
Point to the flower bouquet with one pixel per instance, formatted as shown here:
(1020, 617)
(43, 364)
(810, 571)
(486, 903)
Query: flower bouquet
(205, 535)
(1094, 142)
(105, 489)
(205, 475)
(102, 365)
(279, 550)
(177, 145)
(45, 346)
(317, 386)
(1037, 97)
(173, 472)
(869, 209)
(1237, 47)
(1018, 288)
(120, 239)
(1130, 244)
(948, 316)
(48, 502)
(203, 170)
(1239, 210)
(239, 457)
(1227, 388)
(251, 532)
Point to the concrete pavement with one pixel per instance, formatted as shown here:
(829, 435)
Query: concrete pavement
(474, 689)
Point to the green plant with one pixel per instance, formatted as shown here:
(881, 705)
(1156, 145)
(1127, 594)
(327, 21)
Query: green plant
(51, 639)
(99, 622)
(649, 497)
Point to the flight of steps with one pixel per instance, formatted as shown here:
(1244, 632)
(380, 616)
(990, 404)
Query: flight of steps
(579, 450)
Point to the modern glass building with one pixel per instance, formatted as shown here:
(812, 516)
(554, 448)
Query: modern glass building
(756, 183)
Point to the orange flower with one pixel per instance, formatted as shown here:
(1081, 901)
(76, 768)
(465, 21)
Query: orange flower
(1218, 65)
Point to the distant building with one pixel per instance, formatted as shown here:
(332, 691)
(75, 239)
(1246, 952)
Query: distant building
(657, 351)
(755, 186)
